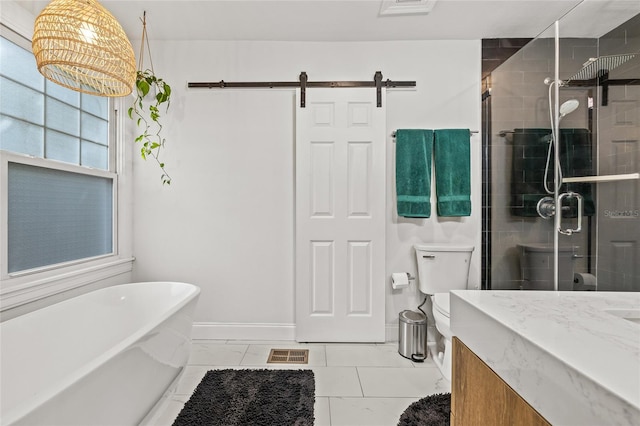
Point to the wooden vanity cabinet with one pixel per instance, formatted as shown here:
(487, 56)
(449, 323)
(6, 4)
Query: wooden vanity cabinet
(480, 397)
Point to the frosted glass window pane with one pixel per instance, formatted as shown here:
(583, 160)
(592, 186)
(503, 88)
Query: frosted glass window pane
(21, 102)
(63, 117)
(96, 105)
(56, 216)
(66, 95)
(22, 137)
(94, 129)
(94, 155)
(63, 147)
(19, 64)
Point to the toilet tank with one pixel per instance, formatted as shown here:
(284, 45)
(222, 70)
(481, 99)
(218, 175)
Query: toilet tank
(442, 267)
(536, 266)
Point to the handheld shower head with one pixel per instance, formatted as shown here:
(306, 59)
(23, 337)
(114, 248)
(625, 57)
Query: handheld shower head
(568, 107)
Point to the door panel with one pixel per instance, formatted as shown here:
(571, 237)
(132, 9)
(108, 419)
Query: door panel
(618, 267)
(340, 200)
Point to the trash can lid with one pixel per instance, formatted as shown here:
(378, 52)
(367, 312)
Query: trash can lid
(413, 317)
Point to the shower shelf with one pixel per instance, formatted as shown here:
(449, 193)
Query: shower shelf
(604, 178)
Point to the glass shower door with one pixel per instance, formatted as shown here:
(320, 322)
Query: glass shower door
(610, 76)
(599, 148)
(618, 219)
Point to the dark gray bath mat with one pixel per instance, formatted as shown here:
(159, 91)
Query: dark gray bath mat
(434, 410)
(251, 397)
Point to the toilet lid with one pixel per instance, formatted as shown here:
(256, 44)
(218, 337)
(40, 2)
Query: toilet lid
(441, 303)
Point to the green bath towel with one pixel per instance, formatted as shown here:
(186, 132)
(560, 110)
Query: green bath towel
(529, 155)
(452, 157)
(529, 160)
(413, 172)
(576, 159)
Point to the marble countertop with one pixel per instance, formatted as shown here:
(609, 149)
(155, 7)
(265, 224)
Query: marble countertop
(574, 356)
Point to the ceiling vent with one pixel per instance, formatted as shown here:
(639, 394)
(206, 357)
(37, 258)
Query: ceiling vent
(406, 7)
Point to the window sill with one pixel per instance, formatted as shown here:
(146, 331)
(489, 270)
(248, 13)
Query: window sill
(18, 291)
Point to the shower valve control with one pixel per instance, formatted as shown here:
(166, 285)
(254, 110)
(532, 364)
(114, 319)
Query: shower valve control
(546, 208)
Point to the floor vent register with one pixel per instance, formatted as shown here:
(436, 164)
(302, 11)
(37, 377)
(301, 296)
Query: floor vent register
(288, 356)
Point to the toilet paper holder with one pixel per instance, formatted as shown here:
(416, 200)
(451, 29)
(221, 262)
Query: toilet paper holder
(409, 276)
(401, 280)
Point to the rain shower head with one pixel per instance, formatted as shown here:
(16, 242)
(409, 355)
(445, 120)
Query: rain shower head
(568, 107)
(594, 66)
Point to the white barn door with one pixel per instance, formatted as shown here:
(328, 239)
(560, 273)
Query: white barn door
(340, 211)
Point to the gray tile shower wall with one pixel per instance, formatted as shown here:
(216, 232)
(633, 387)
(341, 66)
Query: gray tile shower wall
(519, 99)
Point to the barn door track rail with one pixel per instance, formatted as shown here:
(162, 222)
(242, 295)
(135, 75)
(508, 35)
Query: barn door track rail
(304, 83)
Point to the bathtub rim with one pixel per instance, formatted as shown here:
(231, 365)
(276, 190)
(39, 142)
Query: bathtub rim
(22, 409)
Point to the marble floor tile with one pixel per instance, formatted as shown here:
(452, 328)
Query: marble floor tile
(170, 410)
(367, 411)
(337, 381)
(190, 379)
(274, 343)
(258, 354)
(210, 341)
(356, 384)
(365, 355)
(427, 363)
(213, 354)
(321, 412)
(401, 382)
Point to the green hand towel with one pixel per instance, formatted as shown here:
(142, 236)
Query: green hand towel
(452, 156)
(413, 172)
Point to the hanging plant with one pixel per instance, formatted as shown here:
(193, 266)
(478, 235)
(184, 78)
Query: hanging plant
(152, 93)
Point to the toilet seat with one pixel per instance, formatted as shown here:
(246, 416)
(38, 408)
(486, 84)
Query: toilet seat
(441, 303)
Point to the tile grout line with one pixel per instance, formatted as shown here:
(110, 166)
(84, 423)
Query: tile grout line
(359, 380)
(244, 354)
(326, 361)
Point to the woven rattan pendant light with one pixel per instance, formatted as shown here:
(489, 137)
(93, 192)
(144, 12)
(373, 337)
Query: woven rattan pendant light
(80, 45)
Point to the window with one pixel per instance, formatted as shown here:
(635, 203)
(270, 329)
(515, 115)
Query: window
(57, 164)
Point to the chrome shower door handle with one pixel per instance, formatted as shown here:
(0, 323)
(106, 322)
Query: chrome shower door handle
(580, 200)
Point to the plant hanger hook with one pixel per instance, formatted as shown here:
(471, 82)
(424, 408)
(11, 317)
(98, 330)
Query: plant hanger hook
(144, 41)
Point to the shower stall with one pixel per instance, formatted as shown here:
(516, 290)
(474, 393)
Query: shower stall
(561, 156)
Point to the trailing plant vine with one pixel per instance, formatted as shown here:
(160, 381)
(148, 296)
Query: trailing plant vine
(151, 94)
(147, 116)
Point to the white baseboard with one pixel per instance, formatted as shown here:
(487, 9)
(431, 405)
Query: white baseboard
(243, 331)
(248, 331)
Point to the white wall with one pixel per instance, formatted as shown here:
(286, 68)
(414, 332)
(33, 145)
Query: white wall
(226, 223)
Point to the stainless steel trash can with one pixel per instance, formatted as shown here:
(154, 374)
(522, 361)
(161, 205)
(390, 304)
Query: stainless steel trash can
(412, 335)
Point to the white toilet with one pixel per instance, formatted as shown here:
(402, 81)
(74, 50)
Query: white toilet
(441, 268)
(536, 266)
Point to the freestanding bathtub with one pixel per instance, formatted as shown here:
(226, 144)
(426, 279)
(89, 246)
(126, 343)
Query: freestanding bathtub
(108, 357)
